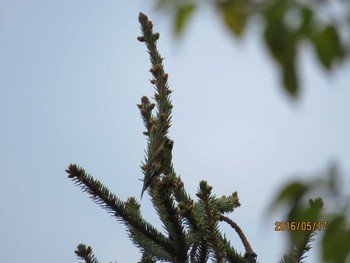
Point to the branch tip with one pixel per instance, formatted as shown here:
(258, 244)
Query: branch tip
(143, 19)
(74, 171)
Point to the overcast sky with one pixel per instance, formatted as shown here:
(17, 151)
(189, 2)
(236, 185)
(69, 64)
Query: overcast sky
(71, 74)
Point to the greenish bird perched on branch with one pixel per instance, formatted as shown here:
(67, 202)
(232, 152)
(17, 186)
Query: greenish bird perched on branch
(159, 163)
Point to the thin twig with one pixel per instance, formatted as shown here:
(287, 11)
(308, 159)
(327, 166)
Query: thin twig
(248, 248)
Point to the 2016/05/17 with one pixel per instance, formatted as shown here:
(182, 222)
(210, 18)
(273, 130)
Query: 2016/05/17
(301, 225)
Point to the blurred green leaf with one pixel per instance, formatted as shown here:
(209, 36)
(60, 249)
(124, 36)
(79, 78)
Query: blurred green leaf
(234, 15)
(274, 11)
(282, 43)
(275, 38)
(182, 15)
(336, 240)
(290, 80)
(328, 46)
(306, 25)
(292, 193)
(310, 213)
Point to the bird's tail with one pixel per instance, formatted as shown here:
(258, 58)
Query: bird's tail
(143, 189)
(145, 185)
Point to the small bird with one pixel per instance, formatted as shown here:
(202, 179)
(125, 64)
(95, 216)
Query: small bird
(159, 163)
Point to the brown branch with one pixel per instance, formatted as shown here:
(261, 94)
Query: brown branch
(249, 251)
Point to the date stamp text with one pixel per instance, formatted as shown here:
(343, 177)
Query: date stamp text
(301, 225)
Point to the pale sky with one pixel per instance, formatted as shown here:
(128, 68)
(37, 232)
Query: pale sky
(71, 74)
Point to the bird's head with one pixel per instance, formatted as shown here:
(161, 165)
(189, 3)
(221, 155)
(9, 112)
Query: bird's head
(168, 144)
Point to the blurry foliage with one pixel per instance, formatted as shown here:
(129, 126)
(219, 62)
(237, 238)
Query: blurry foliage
(335, 223)
(287, 24)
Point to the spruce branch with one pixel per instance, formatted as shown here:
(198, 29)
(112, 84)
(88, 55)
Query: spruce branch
(192, 214)
(226, 204)
(146, 108)
(200, 249)
(146, 258)
(248, 248)
(127, 212)
(84, 252)
(156, 127)
(191, 227)
(149, 247)
(204, 195)
(185, 204)
(200, 252)
(160, 78)
(170, 216)
(229, 253)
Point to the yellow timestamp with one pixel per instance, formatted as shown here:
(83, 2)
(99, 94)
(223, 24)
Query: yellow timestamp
(301, 225)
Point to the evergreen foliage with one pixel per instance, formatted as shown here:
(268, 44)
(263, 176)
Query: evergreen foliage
(191, 228)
